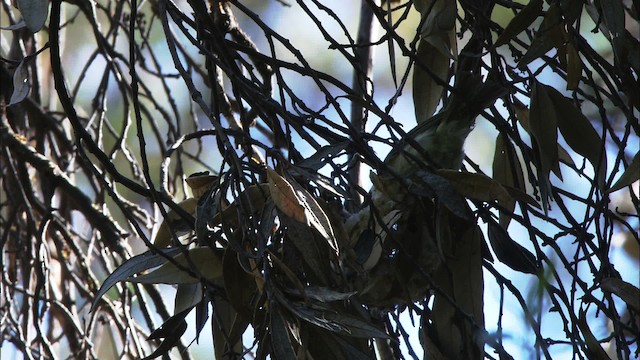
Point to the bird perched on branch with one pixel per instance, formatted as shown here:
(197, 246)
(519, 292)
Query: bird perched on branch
(403, 193)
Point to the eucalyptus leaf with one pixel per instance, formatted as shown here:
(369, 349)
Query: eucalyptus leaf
(510, 252)
(21, 84)
(207, 262)
(34, 12)
(630, 175)
(427, 90)
(136, 264)
(627, 292)
(520, 22)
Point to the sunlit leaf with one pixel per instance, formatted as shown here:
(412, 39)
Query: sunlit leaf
(284, 196)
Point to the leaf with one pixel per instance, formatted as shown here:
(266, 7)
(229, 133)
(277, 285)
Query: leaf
(578, 132)
(240, 286)
(187, 296)
(331, 320)
(630, 175)
(594, 349)
(285, 197)
(296, 202)
(21, 84)
(280, 340)
(625, 291)
(520, 22)
(322, 294)
(178, 224)
(200, 183)
(427, 91)
(323, 156)
(550, 34)
(510, 252)
(508, 171)
(136, 264)
(171, 331)
(439, 23)
(34, 12)
(17, 26)
(574, 67)
(476, 186)
(302, 239)
(543, 128)
(208, 263)
(446, 193)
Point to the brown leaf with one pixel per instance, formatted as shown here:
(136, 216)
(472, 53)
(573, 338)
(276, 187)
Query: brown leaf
(285, 198)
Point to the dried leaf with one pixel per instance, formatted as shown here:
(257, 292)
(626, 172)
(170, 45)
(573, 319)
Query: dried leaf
(630, 175)
(21, 84)
(427, 91)
(625, 291)
(285, 197)
(520, 22)
(510, 252)
(207, 262)
(34, 12)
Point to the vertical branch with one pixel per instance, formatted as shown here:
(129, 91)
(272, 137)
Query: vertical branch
(362, 86)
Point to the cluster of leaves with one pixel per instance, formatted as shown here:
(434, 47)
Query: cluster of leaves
(271, 249)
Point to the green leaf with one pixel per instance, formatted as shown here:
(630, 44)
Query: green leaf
(594, 349)
(446, 193)
(507, 171)
(550, 34)
(544, 130)
(338, 322)
(302, 239)
(625, 291)
(322, 294)
(187, 296)
(136, 264)
(477, 186)
(427, 90)
(520, 22)
(630, 175)
(207, 262)
(510, 252)
(34, 12)
(578, 132)
(171, 330)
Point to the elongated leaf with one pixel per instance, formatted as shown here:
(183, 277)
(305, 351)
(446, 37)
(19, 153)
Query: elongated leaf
(627, 292)
(578, 132)
(323, 156)
(322, 294)
(171, 331)
(446, 193)
(550, 34)
(280, 340)
(341, 323)
(302, 239)
(630, 175)
(510, 252)
(595, 350)
(508, 171)
(187, 296)
(285, 197)
(207, 262)
(136, 264)
(476, 186)
(21, 84)
(34, 12)
(427, 91)
(520, 22)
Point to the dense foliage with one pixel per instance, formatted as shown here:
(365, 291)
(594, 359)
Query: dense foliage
(200, 145)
